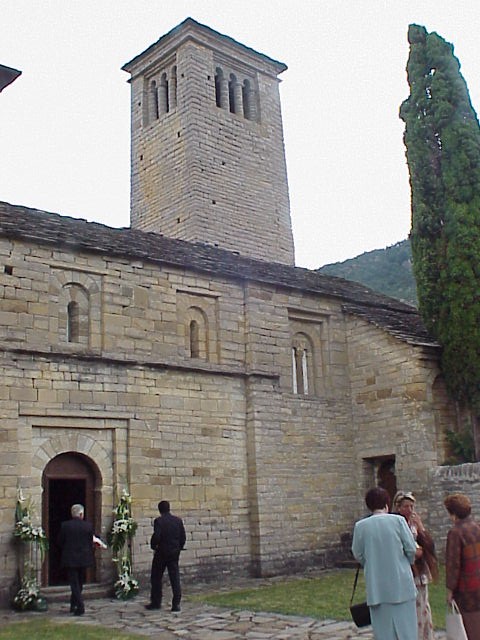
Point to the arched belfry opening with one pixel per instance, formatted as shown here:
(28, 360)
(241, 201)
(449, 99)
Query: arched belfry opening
(69, 478)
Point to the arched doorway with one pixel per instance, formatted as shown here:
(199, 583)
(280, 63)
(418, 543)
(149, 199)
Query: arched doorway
(69, 478)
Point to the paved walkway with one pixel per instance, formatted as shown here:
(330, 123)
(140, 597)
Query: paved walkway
(198, 621)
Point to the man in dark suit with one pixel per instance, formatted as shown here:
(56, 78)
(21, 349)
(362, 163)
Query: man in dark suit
(167, 541)
(76, 542)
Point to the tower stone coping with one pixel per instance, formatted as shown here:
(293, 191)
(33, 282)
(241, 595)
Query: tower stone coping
(7, 76)
(190, 29)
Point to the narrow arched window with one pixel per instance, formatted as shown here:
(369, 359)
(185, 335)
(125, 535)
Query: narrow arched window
(73, 321)
(218, 86)
(153, 101)
(163, 106)
(302, 365)
(194, 339)
(294, 370)
(232, 93)
(74, 315)
(300, 371)
(196, 333)
(305, 371)
(172, 89)
(249, 99)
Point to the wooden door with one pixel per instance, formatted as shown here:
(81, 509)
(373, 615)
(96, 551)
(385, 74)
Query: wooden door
(68, 479)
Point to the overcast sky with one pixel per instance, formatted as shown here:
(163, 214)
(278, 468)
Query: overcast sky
(65, 123)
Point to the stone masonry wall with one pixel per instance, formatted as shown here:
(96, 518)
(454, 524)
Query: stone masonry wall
(301, 444)
(463, 478)
(164, 434)
(204, 174)
(393, 408)
(246, 462)
(267, 480)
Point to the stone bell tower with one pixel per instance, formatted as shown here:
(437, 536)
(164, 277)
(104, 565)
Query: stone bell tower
(208, 159)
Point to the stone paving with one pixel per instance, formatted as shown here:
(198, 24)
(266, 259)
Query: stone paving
(198, 621)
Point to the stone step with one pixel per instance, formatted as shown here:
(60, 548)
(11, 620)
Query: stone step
(90, 591)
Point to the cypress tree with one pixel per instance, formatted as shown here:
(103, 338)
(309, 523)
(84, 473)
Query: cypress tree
(442, 139)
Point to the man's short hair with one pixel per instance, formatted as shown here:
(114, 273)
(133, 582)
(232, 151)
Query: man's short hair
(164, 506)
(377, 498)
(77, 510)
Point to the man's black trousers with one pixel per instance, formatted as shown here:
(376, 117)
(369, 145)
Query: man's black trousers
(159, 565)
(76, 580)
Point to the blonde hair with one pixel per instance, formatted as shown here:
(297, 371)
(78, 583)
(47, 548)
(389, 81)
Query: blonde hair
(400, 496)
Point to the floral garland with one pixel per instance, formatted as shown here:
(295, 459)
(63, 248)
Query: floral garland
(28, 595)
(120, 538)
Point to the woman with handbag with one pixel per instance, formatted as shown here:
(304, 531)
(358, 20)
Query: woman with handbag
(462, 562)
(425, 568)
(384, 545)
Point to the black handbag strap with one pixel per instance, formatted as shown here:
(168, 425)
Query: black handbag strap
(354, 585)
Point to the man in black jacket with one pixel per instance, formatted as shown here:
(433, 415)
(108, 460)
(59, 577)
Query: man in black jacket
(167, 541)
(76, 542)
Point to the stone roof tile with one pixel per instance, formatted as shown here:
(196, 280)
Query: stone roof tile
(398, 318)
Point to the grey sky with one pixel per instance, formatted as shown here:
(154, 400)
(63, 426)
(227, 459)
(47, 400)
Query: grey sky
(65, 130)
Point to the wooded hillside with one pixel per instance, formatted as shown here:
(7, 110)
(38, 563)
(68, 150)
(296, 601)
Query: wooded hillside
(388, 271)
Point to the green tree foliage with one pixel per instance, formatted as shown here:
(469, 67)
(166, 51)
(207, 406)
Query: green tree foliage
(442, 139)
(462, 445)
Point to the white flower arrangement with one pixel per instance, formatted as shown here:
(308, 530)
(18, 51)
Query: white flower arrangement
(126, 586)
(120, 538)
(124, 526)
(27, 532)
(28, 594)
(33, 536)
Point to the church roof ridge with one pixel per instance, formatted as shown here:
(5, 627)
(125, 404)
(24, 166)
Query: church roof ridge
(21, 222)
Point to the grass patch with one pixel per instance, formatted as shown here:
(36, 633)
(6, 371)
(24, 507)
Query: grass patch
(45, 629)
(325, 597)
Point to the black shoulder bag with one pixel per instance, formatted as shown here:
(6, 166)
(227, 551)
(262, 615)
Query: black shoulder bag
(360, 612)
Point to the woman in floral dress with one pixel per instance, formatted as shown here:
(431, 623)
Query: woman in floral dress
(425, 567)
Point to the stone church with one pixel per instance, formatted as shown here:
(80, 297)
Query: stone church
(186, 358)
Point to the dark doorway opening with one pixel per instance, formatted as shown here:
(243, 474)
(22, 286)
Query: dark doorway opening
(380, 471)
(386, 477)
(69, 478)
(62, 493)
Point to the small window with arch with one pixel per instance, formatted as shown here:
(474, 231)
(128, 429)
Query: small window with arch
(75, 319)
(302, 365)
(197, 333)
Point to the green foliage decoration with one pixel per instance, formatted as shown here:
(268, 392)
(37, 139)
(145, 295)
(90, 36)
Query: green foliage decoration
(442, 139)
